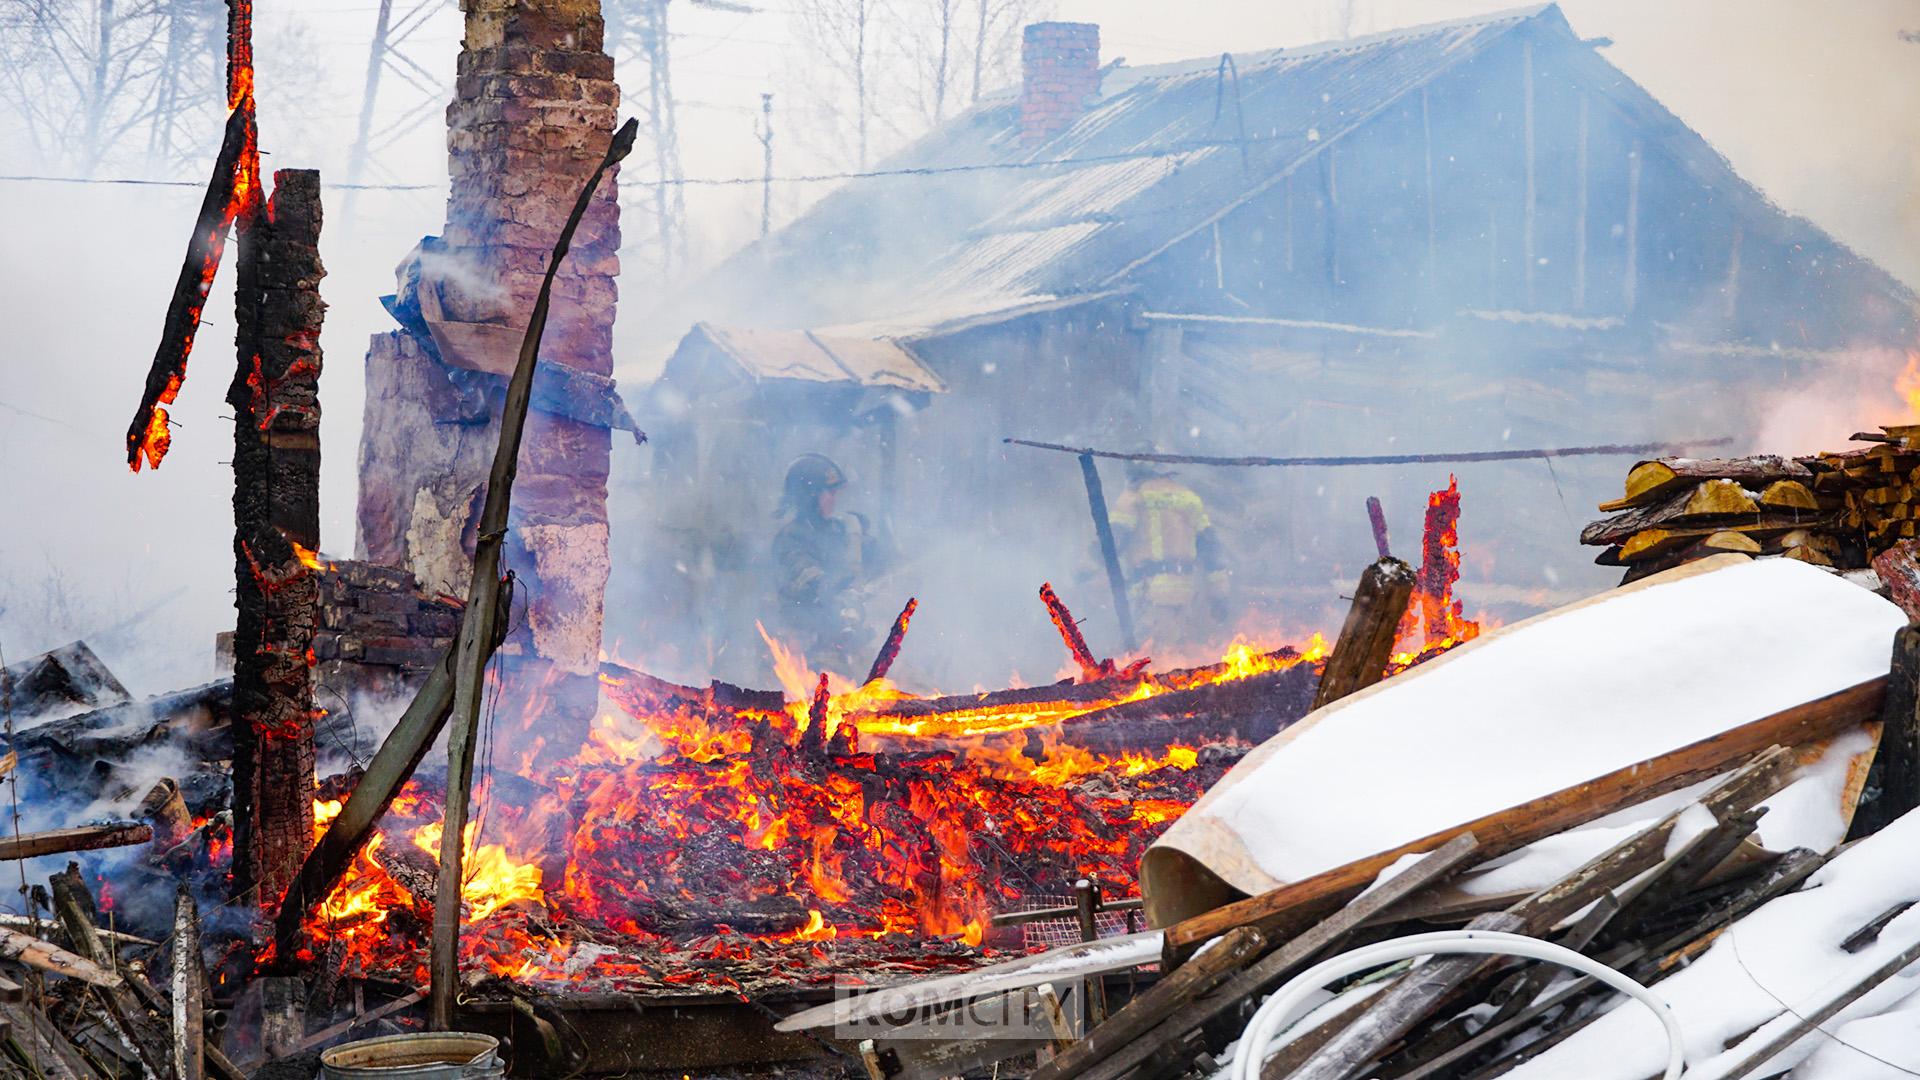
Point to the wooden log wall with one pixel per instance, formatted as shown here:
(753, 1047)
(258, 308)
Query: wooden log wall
(276, 511)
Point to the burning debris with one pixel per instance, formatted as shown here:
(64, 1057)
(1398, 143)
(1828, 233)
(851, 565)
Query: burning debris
(1136, 855)
(1650, 870)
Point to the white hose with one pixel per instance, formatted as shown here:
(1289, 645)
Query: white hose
(1285, 1006)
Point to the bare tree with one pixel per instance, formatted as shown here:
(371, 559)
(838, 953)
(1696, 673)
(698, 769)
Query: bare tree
(933, 32)
(996, 39)
(879, 73)
(78, 75)
(837, 36)
(140, 84)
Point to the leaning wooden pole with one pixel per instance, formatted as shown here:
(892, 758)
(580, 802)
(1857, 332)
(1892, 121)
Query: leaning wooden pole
(1366, 639)
(472, 647)
(1109, 551)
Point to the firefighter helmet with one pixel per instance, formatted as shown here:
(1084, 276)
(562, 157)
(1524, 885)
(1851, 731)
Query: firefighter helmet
(807, 477)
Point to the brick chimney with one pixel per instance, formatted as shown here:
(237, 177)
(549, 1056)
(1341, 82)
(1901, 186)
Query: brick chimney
(1059, 76)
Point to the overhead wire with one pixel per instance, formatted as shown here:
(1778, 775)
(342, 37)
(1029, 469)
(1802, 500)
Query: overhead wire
(1183, 150)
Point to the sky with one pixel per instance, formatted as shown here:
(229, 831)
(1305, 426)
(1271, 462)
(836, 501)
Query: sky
(1812, 102)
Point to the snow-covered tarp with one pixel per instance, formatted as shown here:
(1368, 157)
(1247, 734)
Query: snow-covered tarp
(1525, 711)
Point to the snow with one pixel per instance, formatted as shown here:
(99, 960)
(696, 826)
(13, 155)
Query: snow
(1538, 707)
(1807, 813)
(1785, 955)
(1394, 869)
(1884, 1047)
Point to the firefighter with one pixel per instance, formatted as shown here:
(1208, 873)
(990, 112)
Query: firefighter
(1177, 580)
(823, 561)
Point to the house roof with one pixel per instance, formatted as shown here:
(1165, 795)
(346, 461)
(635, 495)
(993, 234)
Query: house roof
(968, 219)
(803, 356)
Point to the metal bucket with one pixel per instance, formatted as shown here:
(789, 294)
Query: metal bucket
(444, 1055)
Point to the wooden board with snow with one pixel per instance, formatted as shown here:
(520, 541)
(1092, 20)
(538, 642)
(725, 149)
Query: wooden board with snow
(1519, 713)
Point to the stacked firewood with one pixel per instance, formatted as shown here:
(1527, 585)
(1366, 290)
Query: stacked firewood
(1831, 509)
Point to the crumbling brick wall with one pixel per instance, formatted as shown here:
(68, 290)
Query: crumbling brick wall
(534, 107)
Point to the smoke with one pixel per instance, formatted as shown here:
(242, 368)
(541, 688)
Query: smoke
(1853, 391)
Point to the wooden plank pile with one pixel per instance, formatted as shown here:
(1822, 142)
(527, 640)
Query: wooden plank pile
(1645, 906)
(1836, 509)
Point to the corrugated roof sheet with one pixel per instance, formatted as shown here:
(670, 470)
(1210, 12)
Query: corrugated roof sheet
(807, 357)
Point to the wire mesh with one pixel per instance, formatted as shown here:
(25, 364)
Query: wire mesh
(1053, 933)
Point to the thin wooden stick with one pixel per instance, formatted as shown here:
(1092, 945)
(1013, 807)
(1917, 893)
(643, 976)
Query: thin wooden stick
(473, 647)
(84, 838)
(189, 1020)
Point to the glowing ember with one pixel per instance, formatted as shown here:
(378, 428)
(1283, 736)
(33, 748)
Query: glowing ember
(1434, 619)
(149, 439)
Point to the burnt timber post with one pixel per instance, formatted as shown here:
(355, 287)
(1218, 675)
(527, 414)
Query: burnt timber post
(1359, 657)
(1896, 766)
(276, 514)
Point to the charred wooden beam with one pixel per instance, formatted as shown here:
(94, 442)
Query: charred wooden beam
(890, 648)
(1091, 669)
(472, 648)
(1252, 710)
(83, 838)
(276, 508)
(73, 904)
(1360, 655)
(813, 741)
(1895, 775)
(147, 436)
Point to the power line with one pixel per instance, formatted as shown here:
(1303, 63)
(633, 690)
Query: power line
(1382, 459)
(730, 181)
(137, 182)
